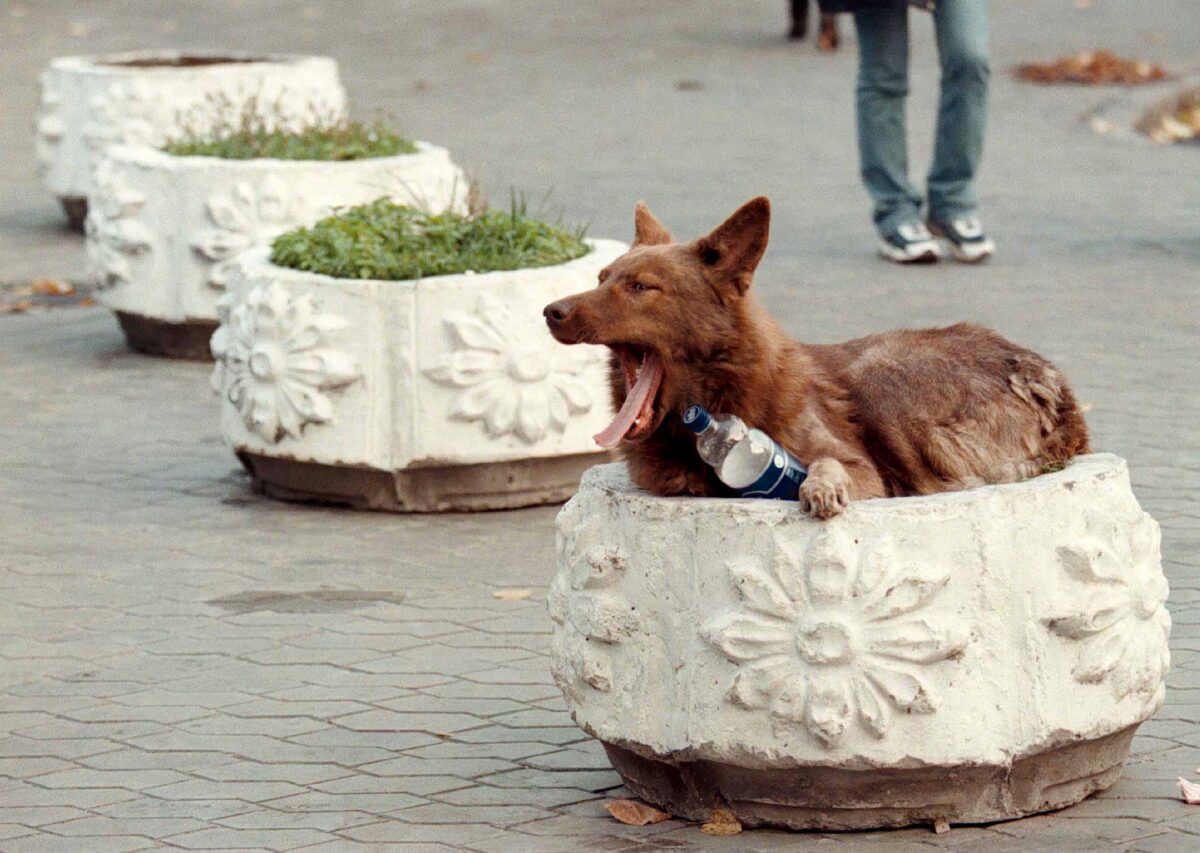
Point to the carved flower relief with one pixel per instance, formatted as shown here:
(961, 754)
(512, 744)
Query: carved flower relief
(1114, 606)
(244, 216)
(124, 113)
(836, 635)
(513, 381)
(49, 125)
(115, 237)
(275, 364)
(590, 614)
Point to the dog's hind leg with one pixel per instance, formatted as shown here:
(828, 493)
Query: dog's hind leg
(1064, 432)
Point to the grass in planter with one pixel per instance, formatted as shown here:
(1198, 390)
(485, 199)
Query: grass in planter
(251, 132)
(385, 240)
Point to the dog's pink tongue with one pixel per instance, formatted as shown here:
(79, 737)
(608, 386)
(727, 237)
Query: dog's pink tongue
(636, 402)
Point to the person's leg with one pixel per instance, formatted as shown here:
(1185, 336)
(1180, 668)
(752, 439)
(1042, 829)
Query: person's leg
(880, 96)
(962, 39)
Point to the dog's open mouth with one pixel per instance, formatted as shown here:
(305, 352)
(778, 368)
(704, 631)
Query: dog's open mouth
(643, 376)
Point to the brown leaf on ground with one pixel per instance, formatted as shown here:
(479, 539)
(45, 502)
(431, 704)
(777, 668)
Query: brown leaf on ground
(1092, 68)
(15, 307)
(51, 287)
(634, 813)
(722, 822)
(512, 594)
(1190, 792)
(87, 302)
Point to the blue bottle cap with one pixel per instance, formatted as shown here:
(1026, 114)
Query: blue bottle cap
(697, 419)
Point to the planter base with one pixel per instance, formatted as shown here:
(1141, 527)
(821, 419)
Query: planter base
(75, 209)
(833, 799)
(188, 339)
(497, 485)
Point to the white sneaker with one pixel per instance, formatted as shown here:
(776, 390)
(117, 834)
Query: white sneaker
(965, 236)
(909, 243)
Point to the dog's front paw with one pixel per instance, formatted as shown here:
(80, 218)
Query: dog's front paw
(826, 491)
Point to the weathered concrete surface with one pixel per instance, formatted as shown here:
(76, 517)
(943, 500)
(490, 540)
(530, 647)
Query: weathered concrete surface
(354, 679)
(971, 656)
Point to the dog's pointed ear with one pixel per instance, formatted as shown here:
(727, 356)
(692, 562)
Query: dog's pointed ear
(648, 231)
(734, 249)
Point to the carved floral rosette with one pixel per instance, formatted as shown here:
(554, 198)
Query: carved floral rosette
(90, 103)
(452, 370)
(195, 214)
(969, 629)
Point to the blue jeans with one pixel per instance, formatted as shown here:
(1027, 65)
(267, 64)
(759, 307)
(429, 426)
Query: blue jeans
(962, 40)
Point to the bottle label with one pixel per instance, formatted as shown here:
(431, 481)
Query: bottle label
(781, 481)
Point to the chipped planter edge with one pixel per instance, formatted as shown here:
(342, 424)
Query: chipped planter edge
(163, 230)
(89, 103)
(444, 393)
(970, 657)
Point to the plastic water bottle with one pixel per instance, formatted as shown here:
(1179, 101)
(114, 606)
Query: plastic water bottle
(747, 460)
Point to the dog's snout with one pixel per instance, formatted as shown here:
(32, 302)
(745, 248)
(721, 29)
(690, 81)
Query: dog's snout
(556, 312)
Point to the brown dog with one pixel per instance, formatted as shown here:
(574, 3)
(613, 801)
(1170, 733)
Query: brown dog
(900, 413)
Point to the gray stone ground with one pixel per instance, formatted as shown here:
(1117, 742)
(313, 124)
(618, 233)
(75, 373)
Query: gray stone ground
(186, 665)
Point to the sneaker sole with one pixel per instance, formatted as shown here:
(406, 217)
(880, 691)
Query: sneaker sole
(928, 253)
(974, 255)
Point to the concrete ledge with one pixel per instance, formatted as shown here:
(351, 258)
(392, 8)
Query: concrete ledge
(832, 799)
(186, 340)
(499, 485)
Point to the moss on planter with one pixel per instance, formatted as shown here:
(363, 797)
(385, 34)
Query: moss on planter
(385, 240)
(254, 135)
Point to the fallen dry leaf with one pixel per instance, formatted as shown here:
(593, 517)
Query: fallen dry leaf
(51, 287)
(722, 822)
(941, 825)
(15, 307)
(512, 594)
(1190, 791)
(635, 813)
(1093, 68)
(87, 302)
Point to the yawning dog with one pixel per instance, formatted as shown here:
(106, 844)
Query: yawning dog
(907, 412)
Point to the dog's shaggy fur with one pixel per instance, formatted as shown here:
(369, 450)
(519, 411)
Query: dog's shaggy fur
(908, 412)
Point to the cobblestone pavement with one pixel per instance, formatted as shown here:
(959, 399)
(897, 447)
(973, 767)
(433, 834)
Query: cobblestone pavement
(186, 665)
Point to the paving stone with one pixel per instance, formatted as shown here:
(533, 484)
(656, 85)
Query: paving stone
(37, 815)
(232, 839)
(398, 831)
(324, 801)
(451, 813)
(88, 778)
(326, 821)
(44, 843)
(150, 827)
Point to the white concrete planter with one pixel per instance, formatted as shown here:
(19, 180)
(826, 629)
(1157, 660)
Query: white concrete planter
(972, 656)
(442, 393)
(89, 103)
(162, 230)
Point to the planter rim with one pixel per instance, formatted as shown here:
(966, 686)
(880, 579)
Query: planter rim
(148, 155)
(258, 261)
(614, 479)
(109, 63)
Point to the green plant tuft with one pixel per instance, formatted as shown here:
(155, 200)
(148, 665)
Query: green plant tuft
(385, 240)
(257, 130)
